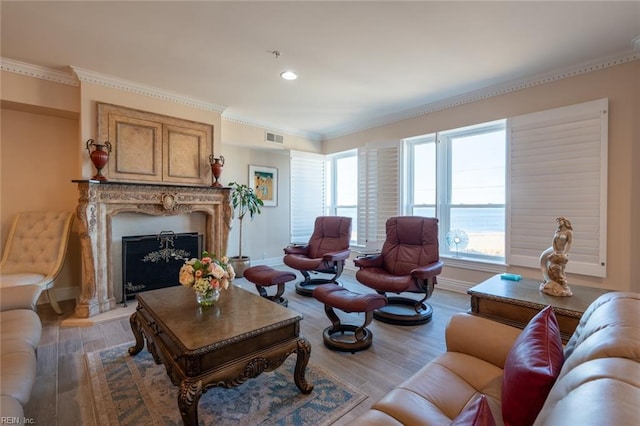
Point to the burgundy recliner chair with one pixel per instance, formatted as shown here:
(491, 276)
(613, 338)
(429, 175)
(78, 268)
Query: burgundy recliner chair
(325, 253)
(409, 262)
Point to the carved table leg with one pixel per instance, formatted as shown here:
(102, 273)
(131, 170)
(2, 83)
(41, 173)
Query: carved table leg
(188, 398)
(303, 354)
(137, 332)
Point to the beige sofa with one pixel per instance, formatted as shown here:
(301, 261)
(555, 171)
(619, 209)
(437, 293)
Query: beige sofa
(598, 384)
(20, 331)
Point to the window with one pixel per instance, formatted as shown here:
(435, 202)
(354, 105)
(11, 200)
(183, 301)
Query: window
(558, 167)
(307, 188)
(342, 188)
(459, 177)
(379, 191)
(502, 184)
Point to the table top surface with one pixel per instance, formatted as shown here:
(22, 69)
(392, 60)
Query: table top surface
(237, 315)
(526, 292)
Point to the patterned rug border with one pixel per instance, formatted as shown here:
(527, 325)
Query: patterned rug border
(106, 412)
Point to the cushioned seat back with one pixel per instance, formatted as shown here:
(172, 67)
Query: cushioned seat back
(600, 380)
(411, 241)
(610, 327)
(37, 242)
(330, 233)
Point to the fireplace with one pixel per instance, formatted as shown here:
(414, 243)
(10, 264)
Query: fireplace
(150, 262)
(100, 201)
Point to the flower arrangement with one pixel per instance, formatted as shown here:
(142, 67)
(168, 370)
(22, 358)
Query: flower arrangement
(207, 275)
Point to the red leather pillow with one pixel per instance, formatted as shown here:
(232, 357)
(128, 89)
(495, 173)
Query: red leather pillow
(531, 368)
(476, 414)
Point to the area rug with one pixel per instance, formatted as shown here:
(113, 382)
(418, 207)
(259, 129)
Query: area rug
(135, 391)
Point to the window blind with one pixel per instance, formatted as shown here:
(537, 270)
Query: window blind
(307, 193)
(558, 167)
(378, 191)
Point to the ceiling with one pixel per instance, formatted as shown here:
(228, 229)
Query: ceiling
(359, 63)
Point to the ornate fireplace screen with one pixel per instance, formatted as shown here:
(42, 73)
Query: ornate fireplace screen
(151, 262)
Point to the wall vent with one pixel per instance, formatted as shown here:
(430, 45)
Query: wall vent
(274, 137)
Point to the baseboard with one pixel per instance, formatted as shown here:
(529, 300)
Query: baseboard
(273, 262)
(63, 293)
(454, 285)
(71, 293)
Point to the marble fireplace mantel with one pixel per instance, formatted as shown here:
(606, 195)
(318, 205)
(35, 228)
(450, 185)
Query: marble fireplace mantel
(99, 201)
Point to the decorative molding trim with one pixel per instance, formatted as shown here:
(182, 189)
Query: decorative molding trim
(83, 75)
(454, 285)
(313, 136)
(36, 71)
(474, 265)
(489, 92)
(63, 293)
(87, 76)
(273, 262)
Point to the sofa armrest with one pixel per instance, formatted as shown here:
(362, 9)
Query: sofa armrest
(426, 272)
(371, 261)
(336, 256)
(480, 337)
(19, 297)
(297, 250)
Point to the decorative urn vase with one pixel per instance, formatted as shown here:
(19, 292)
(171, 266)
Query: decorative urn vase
(99, 157)
(216, 169)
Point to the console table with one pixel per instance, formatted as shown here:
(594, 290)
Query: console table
(516, 302)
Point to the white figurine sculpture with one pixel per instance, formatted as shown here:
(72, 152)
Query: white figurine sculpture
(554, 260)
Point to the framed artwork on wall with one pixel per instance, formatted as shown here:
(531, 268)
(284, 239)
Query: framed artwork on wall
(264, 181)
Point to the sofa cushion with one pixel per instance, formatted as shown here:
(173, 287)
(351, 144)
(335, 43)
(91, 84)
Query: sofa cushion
(17, 369)
(10, 408)
(454, 379)
(477, 413)
(22, 324)
(604, 391)
(531, 369)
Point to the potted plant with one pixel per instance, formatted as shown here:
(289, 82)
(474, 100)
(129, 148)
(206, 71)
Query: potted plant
(244, 201)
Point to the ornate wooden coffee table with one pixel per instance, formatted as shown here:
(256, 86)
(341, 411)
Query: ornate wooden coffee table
(224, 345)
(516, 302)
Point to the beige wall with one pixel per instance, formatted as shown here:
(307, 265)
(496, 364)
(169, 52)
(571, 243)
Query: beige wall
(42, 148)
(268, 233)
(248, 136)
(53, 120)
(621, 85)
(38, 161)
(91, 94)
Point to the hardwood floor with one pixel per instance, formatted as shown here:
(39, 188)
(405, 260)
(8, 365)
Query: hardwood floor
(62, 396)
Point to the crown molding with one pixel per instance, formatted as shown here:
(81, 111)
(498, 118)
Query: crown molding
(22, 68)
(87, 76)
(488, 92)
(315, 137)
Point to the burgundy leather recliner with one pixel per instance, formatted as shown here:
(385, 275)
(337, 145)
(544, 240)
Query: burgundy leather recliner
(409, 262)
(326, 252)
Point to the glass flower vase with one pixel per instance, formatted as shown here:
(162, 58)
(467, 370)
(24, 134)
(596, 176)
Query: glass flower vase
(207, 298)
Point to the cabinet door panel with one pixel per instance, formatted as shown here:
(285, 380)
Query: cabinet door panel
(186, 154)
(137, 148)
(154, 147)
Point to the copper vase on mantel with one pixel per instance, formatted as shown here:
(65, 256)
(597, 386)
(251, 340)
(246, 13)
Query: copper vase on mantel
(216, 169)
(99, 157)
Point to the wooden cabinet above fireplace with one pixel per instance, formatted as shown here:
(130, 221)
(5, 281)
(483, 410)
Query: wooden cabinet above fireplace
(150, 147)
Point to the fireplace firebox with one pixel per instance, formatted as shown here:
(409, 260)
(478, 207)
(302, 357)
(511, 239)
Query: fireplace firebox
(151, 262)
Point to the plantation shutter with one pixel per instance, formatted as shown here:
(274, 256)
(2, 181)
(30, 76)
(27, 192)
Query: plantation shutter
(558, 167)
(307, 194)
(378, 191)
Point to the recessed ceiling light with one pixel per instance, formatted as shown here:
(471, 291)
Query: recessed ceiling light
(289, 75)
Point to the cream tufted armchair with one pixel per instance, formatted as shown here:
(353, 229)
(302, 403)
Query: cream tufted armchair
(35, 251)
